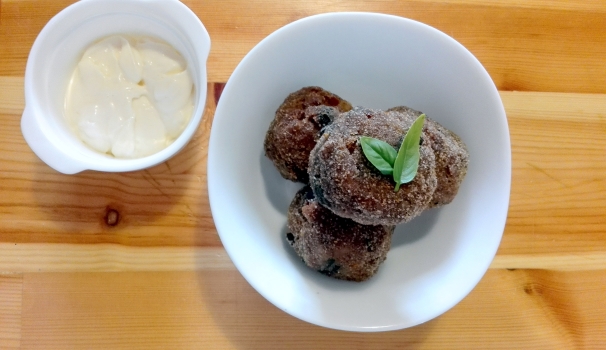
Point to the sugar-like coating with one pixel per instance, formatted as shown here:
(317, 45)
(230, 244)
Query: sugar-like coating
(344, 181)
(335, 246)
(451, 154)
(297, 126)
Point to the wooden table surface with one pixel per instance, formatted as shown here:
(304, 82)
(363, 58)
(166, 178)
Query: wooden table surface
(160, 278)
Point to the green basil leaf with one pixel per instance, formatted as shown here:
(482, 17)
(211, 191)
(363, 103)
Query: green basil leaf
(407, 161)
(379, 153)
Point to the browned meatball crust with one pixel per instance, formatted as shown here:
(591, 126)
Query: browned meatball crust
(344, 181)
(335, 246)
(451, 154)
(296, 127)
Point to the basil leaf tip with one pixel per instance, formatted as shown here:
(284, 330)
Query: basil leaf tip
(407, 160)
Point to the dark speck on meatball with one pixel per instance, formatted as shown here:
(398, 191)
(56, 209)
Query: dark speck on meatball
(335, 246)
(297, 125)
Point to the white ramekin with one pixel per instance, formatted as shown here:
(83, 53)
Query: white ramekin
(61, 44)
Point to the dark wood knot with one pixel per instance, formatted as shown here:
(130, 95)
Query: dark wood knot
(112, 217)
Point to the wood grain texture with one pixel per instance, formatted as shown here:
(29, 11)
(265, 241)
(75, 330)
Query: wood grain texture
(219, 310)
(160, 279)
(558, 195)
(12, 98)
(533, 45)
(555, 220)
(61, 257)
(166, 205)
(11, 286)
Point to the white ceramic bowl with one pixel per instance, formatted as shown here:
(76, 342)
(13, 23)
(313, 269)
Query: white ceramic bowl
(377, 61)
(61, 44)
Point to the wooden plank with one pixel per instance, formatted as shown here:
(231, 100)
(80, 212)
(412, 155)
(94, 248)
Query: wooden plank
(558, 195)
(12, 98)
(11, 286)
(165, 205)
(20, 23)
(525, 45)
(522, 309)
(568, 261)
(58, 257)
(555, 220)
(527, 48)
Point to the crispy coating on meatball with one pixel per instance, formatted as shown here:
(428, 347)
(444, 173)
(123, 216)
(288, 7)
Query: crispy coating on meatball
(344, 181)
(296, 127)
(335, 246)
(451, 154)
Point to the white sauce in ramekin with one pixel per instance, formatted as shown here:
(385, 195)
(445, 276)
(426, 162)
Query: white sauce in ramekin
(129, 97)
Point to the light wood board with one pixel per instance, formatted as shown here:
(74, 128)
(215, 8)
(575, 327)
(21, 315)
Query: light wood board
(160, 278)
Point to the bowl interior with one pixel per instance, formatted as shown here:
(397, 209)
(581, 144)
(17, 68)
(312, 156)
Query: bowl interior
(65, 38)
(377, 61)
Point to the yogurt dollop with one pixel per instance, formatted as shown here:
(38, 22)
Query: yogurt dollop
(129, 97)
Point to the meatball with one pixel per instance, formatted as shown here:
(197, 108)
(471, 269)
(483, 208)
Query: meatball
(451, 154)
(296, 127)
(344, 181)
(335, 246)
